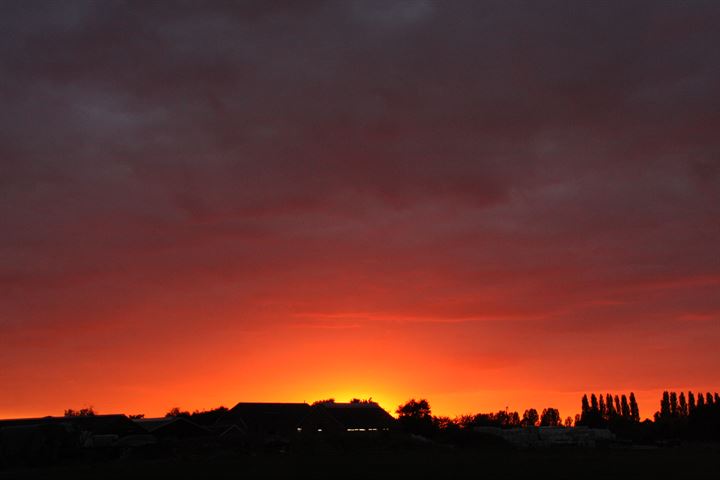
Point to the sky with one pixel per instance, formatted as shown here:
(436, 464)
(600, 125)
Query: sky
(485, 204)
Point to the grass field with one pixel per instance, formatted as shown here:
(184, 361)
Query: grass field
(678, 462)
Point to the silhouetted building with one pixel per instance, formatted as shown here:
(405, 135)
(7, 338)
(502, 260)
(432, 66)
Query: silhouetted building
(347, 417)
(119, 425)
(95, 424)
(50, 437)
(266, 422)
(36, 440)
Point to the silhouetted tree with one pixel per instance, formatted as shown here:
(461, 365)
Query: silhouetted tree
(634, 409)
(617, 405)
(503, 419)
(601, 406)
(208, 417)
(611, 409)
(708, 399)
(550, 418)
(136, 416)
(513, 419)
(624, 407)
(530, 418)
(594, 408)
(568, 422)
(464, 421)
(443, 423)
(665, 405)
(700, 401)
(691, 403)
(485, 420)
(682, 404)
(176, 412)
(83, 412)
(585, 410)
(324, 401)
(415, 416)
(592, 415)
(674, 410)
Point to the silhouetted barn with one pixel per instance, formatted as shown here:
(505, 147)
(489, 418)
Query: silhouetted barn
(266, 422)
(88, 431)
(93, 424)
(119, 425)
(172, 427)
(347, 417)
(36, 441)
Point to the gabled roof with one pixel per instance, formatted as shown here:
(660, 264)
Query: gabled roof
(20, 422)
(106, 424)
(266, 417)
(358, 415)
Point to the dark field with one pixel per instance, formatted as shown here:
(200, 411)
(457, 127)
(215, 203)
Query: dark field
(676, 462)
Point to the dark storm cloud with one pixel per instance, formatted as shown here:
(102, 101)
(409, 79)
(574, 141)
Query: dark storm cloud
(554, 142)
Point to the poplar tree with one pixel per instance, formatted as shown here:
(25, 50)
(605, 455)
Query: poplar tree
(617, 404)
(665, 405)
(610, 407)
(634, 410)
(691, 403)
(683, 405)
(700, 401)
(673, 404)
(594, 404)
(708, 399)
(625, 408)
(603, 410)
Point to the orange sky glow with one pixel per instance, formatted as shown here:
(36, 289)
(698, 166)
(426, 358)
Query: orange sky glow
(486, 205)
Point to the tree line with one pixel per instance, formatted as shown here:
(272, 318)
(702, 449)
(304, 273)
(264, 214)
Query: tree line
(681, 416)
(673, 405)
(415, 416)
(602, 410)
(689, 417)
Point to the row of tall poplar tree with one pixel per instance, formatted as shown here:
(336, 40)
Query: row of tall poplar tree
(673, 405)
(601, 409)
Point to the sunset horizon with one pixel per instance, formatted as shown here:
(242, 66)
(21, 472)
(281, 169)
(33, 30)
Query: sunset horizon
(488, 205)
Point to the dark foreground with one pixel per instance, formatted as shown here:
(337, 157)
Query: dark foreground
(681, 462)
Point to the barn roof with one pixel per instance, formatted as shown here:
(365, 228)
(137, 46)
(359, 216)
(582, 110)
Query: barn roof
(106, 424)
(358, 415)
(268, 417)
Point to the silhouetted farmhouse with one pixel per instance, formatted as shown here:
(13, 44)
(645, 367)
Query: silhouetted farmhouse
(36, 440)
(265, 422)
(334, 417)
(48, 438)
(119, 425)
(268, 422)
